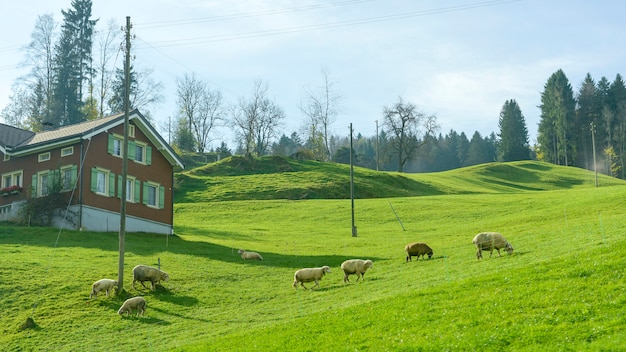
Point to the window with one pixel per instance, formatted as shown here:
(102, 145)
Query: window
(43, 184)
(11, 179)
(44, 157)
(114, 146)
(131, 131)
(133, 187)
(67, 151)
(68, 177)
(139, 150)
(102, 182)
(153, 195)
(7, 157)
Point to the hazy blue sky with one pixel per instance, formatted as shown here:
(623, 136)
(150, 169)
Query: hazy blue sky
(458, 59)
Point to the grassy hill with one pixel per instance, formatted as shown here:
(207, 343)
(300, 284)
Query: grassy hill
(239, 178)
(562, 289)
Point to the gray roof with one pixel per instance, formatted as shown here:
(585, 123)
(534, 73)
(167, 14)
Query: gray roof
(11, 136)
(15, 141)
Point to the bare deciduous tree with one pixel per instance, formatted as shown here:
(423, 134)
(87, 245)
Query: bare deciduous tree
(109, 43)
(257, 120)
(408, 126)
(321, 107)
(200, 106)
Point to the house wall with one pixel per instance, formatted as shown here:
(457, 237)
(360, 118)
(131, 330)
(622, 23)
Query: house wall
(160, 171)
(95, 153)
(99, 220)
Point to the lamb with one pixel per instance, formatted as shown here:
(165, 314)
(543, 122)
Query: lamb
(309, 275)
(355, 266)
(490, 241)
(143, 273)
(249, 255)
(138, 303)
(417, 249)
(105, 285)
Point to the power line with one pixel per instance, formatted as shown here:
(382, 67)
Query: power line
(289, 30)
(160, 24)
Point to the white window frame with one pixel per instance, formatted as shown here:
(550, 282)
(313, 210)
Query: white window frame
(67, 151)
(144, 156)
(118, 145)
(104, 182)
(41, 176)
(152, 187)
(130, 189)
(131, 131)
(43, 157)
(17, 178)
(66, 180)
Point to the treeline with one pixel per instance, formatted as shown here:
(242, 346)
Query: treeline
(586, 129)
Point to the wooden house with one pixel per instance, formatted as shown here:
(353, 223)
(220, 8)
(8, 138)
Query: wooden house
(85, 160)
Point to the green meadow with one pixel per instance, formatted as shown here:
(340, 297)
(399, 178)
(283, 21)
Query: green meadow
(562, 289)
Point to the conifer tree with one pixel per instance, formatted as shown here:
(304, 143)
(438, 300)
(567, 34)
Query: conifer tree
(513, 144)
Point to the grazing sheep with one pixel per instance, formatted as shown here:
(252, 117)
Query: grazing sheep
(138, 303)
(249, 255)
(143, 273)
(309, 275)
(355, 266)
(417, 249)
(105, 285)
(490, 241)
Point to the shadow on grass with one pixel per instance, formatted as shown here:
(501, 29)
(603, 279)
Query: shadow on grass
(181, 316)
(144, 244)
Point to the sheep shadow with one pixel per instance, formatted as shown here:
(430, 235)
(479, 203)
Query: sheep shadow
(145, 319)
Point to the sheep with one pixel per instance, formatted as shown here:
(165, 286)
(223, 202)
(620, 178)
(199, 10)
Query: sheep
(138, 303)
(143, 273)
(309, 275)
(490, 241)
(417, 249)
(355, 266)
(105, 285)
(249, 255)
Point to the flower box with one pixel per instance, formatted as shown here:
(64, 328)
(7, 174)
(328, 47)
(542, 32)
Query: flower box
(10, 190)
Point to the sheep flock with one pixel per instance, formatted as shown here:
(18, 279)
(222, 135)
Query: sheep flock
(142, 273)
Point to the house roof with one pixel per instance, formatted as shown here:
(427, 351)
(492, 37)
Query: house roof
(15, 141)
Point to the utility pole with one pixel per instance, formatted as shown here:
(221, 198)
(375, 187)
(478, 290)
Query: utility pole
(120, 269)
(593, 148)
(352, 183)
(376, 145)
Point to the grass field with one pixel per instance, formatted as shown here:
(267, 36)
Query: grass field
(562, 289)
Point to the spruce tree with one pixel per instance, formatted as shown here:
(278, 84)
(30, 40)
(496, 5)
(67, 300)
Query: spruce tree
(513, 135)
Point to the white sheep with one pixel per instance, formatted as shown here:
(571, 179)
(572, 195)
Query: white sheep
(490, 241)
(249, 255)
(138, 303)
(355, 266)
(309, 275)
(417, 249)
(105, 285)
(143, 273)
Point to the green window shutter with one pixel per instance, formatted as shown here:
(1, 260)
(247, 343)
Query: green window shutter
(94, 179)
(131, 150)
(53, 177)
(74, 175)
(119, 186)
(137, 189)
(111, 184)
(145, 193)
(148, 155)
(161, 197)
(33, 184)
(110, 143)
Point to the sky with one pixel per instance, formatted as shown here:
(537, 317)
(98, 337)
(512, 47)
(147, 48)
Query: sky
(460, 60)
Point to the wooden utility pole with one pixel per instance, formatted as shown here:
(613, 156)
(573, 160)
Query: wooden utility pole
(120, 269)
(593, 147)
(352, 184)
(376, 145)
